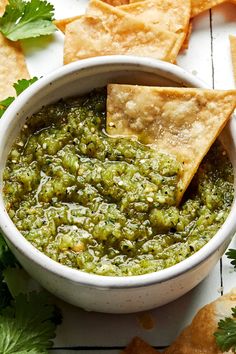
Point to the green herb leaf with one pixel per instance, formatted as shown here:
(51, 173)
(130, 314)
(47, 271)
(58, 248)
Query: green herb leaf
(27, 322)
(27, 19)
(28, 325)
(22, 85)
(5, 296)
(19, 87)
(226, 333)
(231, 254)
(6, 257)
(4, 104)
(6, 260)
(18, 281)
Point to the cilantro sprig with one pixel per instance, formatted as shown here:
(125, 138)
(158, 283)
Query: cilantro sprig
(226, 333)
(231, 254)
(27, 320)
(27, 324)
(24, 19)
(19, 87)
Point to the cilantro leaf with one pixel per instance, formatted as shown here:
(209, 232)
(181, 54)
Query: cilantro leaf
(5, 296)
(23, 84)
(27, 19)
(27, 325)
(5, 104)
(27, 321)
(226, 333)
(231, 254)
(6, 260)
(19, 87)
(6, 257)
(17, 280)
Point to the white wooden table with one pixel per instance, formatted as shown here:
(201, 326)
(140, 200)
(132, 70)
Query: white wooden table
(208, 57)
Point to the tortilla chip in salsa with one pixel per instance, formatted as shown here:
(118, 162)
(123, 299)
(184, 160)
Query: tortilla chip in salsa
(183, 122)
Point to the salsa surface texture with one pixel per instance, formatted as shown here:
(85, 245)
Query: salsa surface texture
(106, 205)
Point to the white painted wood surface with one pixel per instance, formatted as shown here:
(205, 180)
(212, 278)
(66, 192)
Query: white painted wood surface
(208, 57)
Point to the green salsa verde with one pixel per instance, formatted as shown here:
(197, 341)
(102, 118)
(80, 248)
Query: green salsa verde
(106, 205)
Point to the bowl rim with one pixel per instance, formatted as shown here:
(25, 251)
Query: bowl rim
(14, 237)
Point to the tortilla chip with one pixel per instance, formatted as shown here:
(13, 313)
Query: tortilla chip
(107, 30)
(183, 122)
(133, 1)
(199, 337)
(61, 24)
(116, 2)
(169, 15)
(185, 44)
(3, 4)
(138, 346)
(233, 54)
(12, 66)
(12, 62)
(199, 6)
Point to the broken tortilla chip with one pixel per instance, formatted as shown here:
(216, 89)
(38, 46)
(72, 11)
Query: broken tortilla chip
(169, 15)
(107, 30)
(185, 44)
(62, 23)
(183, 122)
(12, 66)
(138, 346)
(233, 54)
(199, 337)
(199, 6)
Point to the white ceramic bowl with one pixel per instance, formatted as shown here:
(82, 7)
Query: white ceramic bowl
(94, 292)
